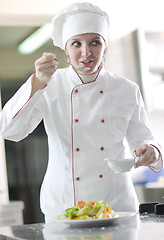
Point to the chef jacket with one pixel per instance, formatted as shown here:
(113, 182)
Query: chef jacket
(85, 123)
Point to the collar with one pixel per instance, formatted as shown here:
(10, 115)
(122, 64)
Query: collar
(78, 78)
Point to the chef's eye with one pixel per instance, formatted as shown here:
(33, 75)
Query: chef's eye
(76, 44)
(95, 42)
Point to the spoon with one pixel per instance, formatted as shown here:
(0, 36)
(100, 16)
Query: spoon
(76, 68)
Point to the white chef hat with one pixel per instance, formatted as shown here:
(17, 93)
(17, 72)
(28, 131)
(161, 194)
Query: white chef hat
(79, 18)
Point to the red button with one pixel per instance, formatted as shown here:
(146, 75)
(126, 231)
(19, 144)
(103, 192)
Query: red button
(100, 176)
(77, 178)
(76, 120)
(101, 148)
(102, 120)
(101, 91)
(76, 90)
(77, 149)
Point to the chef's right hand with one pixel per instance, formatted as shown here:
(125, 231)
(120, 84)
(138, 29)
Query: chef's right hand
(45, 67)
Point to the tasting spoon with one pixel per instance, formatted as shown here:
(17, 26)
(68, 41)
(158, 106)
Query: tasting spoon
(76, 68)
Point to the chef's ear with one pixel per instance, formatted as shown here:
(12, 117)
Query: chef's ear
(105, 50)
(104, 54)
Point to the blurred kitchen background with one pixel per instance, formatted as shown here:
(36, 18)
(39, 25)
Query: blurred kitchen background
(136, 51)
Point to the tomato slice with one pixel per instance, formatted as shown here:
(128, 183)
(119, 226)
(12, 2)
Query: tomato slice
(81, 203)
(106, 215)
(108, 209)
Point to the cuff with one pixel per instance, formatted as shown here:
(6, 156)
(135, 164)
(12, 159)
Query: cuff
(157, 166)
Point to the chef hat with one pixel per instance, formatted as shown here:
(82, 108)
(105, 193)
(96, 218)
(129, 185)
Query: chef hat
(78, 18)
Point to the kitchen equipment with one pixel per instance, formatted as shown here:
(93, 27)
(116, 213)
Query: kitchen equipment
(11, 214)
(159, 209)
(76, 68)
(152, 208)
(147, 207)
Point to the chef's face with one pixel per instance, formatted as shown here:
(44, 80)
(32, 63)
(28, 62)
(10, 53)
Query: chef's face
(86, 50)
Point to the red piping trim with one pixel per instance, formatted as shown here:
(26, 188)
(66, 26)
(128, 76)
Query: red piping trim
(90, 81)
(73, 177)
(27, 100)
(161, 158)
(25, 103)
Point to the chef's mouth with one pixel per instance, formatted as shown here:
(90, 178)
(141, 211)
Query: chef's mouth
(87, 63)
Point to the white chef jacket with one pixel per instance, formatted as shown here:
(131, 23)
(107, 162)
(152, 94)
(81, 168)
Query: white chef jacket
(85, 123)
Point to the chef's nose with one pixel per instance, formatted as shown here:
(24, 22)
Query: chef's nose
(85, 50)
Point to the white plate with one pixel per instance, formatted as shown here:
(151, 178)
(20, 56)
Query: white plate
(96, 222)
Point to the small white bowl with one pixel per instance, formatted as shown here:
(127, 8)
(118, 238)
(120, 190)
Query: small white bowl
(123, 165)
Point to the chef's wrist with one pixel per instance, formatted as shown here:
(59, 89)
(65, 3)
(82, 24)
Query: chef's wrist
(37, 84)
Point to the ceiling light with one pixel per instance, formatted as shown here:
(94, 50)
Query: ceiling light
(35, 40)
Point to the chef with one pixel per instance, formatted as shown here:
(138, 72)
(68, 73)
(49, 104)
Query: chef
(87, 114)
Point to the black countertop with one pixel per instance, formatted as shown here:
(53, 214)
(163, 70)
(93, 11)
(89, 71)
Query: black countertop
(138, 227)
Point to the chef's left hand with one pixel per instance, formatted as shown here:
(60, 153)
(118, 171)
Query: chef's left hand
(147, 155)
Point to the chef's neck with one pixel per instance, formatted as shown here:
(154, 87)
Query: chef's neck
(86, 78)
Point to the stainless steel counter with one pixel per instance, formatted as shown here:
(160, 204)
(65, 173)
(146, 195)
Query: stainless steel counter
(139, 227)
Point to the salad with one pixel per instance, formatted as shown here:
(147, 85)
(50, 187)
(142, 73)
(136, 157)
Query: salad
(87, 210)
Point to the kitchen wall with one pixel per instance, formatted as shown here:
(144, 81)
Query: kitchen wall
(139, 56)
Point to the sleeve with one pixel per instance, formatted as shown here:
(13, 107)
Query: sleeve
(17, 119)
(139, 131)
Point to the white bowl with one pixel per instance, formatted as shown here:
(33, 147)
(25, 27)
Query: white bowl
(123, 165)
